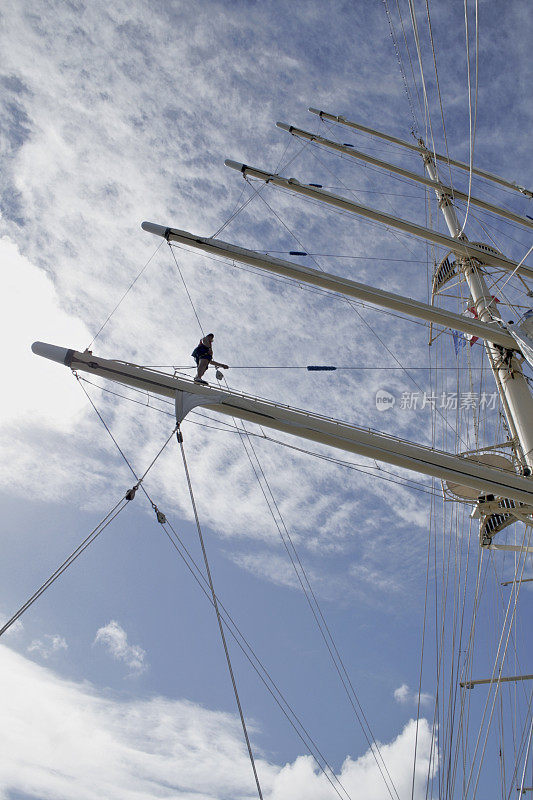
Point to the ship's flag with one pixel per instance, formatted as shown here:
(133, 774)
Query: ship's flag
(460, 339)
(472, 313)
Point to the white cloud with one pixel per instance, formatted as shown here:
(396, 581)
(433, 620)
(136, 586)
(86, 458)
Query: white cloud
(375, 578)
(30, 310)
(48, 645)
(405, 696)
(115, 640)
(65, 739)
(401, 694)
(360, 777)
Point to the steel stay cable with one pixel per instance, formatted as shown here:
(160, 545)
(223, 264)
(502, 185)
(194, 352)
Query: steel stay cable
(497, 683)
(472, 127)
(202, 577)
(454, 667)
(526, 758)
(496, 691)
(469, 660)
(130, 287)
(502, 601)
(96, 531)
(229, 428)
(102, 525)
(312, 609)
(410, 63)
(427, 115)
(461, 629)
(428, 560)
(521, 745)
(358, 313)
(219, 619)
(440, 631)
(440, 98)
(328, 639)
(256, 663)
(414, 129)
(424, 618)
(467, 666)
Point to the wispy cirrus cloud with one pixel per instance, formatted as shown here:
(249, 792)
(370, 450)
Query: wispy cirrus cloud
(405, 696)
(50, 644)
(115, 640)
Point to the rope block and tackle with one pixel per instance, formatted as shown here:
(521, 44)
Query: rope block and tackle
(159, 515)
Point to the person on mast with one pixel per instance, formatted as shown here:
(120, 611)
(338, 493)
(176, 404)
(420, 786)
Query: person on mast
(203, 355)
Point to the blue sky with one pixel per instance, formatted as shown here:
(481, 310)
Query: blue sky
(120, 112)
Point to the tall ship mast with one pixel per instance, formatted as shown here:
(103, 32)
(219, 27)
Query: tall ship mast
(431, 443)
(493, 481)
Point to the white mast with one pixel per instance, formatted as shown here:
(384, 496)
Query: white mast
(422, 149)
(304, 424)
(459, 246)
(512, 385)
(406, 305)
(406, 173)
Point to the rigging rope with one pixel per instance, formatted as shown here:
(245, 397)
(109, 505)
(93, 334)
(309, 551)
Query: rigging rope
(256, 664)
(440, 99)
(186, 289)
(496, 683)
(210, 579)
(410, 60)
(352, 306)
(472, 126)
(367, 732)
(227, 427)
(237, 635)
(319, 617)
(414, 127)
(312, 290)
(219, 619)
(426, 102)
(252, 197)
(130, 287)
(102, 525)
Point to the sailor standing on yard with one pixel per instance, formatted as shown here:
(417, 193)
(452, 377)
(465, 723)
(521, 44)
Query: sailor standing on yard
(203, 355)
